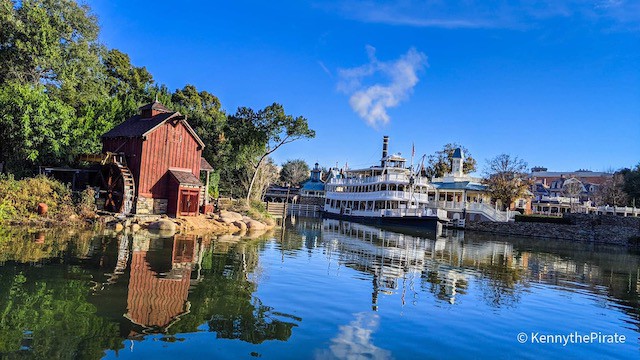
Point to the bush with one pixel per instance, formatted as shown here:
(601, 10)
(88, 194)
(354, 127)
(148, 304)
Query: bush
(86, 203)
(542, 219)
(258, 211)
(20, 198)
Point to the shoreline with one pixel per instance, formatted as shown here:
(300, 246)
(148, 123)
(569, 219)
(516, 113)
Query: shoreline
(586, 228)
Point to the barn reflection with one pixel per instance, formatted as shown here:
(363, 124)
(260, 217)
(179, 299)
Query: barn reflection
(184, 284)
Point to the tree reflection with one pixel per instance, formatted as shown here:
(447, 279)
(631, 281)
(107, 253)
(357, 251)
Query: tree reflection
(224, 301)
(46, 315)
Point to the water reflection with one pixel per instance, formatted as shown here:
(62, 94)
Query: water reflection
(354, 341)
(68, 294)
(446, 263)
(127, 286)
(440, 263)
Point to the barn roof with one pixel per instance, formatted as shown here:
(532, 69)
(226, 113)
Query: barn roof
(138, 126)
(204, 165)
(185, 177)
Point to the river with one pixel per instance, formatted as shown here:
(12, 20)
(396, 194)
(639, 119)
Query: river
(320, 289)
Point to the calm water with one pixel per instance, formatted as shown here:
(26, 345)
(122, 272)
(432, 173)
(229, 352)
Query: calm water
(322, 289)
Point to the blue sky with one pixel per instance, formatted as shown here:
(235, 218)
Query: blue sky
(556, 83)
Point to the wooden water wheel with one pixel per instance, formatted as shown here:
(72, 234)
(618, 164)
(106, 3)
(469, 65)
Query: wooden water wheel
(117, 187)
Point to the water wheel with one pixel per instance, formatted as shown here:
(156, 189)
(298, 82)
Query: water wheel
(117, 188)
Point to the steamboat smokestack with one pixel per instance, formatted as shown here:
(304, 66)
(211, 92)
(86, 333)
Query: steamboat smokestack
(385, 148)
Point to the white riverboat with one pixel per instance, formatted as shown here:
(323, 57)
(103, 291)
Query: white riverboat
(390, 193)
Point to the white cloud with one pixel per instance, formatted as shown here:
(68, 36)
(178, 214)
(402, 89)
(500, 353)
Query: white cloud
(455, 14)
(371, 101)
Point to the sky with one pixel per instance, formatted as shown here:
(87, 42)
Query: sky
(555, 83)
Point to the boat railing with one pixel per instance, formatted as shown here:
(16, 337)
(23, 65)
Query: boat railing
(482, 208)
(379, 196)
(380, 178)
(622, 210)
(417, 212)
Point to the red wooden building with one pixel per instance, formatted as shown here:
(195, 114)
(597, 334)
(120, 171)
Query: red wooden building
(154, 164)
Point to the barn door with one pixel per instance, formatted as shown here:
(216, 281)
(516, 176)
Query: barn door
(188, 202)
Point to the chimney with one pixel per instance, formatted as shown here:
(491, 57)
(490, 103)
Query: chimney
(152, 109)
(385, 148)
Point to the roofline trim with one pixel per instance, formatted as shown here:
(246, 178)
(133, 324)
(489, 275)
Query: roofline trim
(185, 123)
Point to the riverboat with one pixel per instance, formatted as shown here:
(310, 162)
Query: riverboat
(389, 193)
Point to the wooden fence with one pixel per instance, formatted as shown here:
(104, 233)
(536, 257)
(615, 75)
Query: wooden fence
(277, 209)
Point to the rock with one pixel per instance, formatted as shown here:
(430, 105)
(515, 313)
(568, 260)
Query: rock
(270, 222)
(42, 209)
(241, 225)
(246, 219)
(231, 215)
(163, 224)
(255, 225)
(135, 227)
(232, 228)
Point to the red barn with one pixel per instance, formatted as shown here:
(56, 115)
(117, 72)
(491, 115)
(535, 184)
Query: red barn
(153, 164)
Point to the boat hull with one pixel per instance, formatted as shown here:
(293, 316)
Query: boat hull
(427, 222)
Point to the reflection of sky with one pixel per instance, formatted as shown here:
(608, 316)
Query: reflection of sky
(354, 341)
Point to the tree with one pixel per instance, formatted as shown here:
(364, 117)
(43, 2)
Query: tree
(265, 175)
(440, 162)
(33, 128)
(611, 192)
(294, 172)
(258, 134)
(571, 188)
(632, 185)
(506, 178)
(204, 113)
(52, 43)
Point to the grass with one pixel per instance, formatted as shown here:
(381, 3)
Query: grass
(19, 199)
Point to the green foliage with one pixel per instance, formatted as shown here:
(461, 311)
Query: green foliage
(440, 162)
(541, 219)
(632, 185)
(214, 184)
(258, 210)
(256, 135)
(85, 202)
(206, 117)
(20, 198)
(54, 313)
(60, 90)
(34, 128)
(51, 42)
(294, 172)
(224, 301)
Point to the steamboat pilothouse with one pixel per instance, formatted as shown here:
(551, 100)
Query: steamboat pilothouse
(390, 193)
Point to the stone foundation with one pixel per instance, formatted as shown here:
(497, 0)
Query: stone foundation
(146, 205)
(606, 229)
